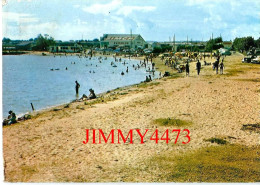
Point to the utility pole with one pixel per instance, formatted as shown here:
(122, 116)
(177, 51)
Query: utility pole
(174, 42)
(191, 44)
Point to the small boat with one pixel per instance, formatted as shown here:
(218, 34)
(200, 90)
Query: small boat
(114, 66)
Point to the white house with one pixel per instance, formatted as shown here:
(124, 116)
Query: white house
(133, 41)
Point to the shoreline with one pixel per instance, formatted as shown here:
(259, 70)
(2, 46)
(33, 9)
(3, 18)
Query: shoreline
(58, 106)
(76, 101)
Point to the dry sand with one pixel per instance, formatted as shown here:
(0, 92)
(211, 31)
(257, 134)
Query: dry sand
(49, 148)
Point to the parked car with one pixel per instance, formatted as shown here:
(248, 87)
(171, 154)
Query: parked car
(226, 53)
(247, 59)
(256, 60)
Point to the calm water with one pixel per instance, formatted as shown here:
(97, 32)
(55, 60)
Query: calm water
(28, 79)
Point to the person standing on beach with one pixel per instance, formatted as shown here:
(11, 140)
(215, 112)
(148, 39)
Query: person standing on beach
(198, 65)
(77, 87)
(187, 67)
(221, 65)
(216, 66)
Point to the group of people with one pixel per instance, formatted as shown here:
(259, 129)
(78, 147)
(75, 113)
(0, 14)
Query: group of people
(216, 66)
(92, 94)
(11, 119)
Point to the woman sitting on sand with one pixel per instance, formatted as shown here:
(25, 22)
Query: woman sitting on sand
(92, 94)
(10, 119)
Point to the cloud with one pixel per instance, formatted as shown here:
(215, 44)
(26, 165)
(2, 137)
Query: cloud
(117, 7)
(24, 0)
(154, 20)
(104, 9)
(126, 10)
(19, 18)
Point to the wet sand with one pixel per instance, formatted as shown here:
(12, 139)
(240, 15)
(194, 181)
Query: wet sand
(49, 148)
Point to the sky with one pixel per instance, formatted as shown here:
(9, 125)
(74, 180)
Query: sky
(155, 20)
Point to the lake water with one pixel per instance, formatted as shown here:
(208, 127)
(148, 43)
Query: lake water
(28, 79)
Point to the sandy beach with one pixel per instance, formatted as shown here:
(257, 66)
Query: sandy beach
(49, 148)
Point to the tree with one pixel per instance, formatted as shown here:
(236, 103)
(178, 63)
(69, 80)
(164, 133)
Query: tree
(214, 44)
(244, 43)
(6, 40)
(157, 50)
(249, 42)
(257, 43)
(42, 43)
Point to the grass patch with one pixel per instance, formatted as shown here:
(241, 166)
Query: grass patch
(28, 172)
(79, 107)
(228, 163)
(171, 122)
(123, 93)
(217, 140)
(233, 72)
(147, 84)
(95, 101)
(250, 80)
(252, 127)
(222, 163)
(56, 109)
(67, 106)
(174, 75)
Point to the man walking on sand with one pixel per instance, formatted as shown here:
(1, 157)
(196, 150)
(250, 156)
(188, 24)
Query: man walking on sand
(221, 65)
(187, 69)
(217, 64)
(198, 66)
(77, 87)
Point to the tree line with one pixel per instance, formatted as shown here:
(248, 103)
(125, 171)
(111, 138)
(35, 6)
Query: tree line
(245, 43)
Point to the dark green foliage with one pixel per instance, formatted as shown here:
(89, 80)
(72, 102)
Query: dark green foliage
(214, 44)
(157, 50)
(217, 140)
(244, 43)
(42, 43)
(6, 40)
(171, 122)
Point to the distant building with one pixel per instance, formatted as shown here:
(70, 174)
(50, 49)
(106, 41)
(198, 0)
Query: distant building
(8, 47)
(25, 45)
(123, 41)
(227, 44)
(90, 44)
(66, 47)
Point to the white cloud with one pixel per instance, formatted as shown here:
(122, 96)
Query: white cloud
(244, 30)
(18, 17)
(126, 10)
(117, 7)
(104, 9)
(24, 0)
